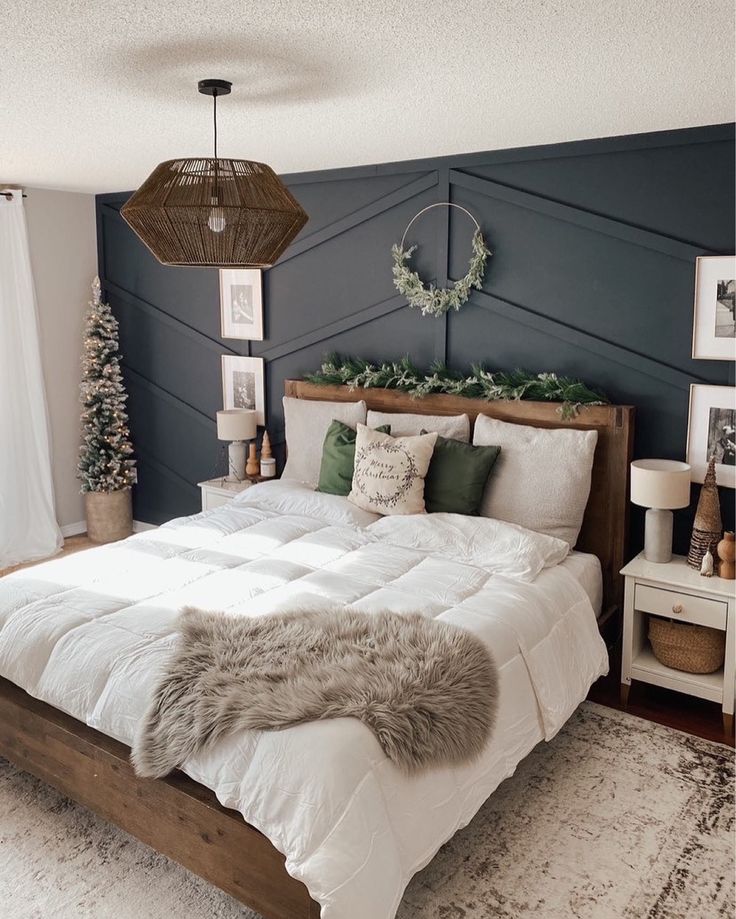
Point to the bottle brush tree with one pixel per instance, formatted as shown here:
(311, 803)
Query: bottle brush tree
(105, 457)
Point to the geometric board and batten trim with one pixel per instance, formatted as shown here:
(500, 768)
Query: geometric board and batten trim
(592, 276)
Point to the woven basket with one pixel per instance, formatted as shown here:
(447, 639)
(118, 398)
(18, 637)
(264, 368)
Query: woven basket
(109, 515)
(683, 646)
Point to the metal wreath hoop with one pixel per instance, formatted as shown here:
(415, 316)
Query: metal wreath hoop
(431, 300)
(429, 208)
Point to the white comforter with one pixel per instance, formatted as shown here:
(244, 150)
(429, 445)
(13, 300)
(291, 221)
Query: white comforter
(88, 634)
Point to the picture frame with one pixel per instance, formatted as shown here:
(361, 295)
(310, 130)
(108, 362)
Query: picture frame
(714, 312)
(243, 384)
(241, 303)
(711, 431)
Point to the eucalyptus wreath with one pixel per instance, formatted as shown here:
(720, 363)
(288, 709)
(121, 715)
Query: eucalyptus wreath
(478, 384)
(431, 300)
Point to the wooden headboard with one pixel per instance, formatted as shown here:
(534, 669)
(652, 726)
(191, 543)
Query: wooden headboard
(606, 522)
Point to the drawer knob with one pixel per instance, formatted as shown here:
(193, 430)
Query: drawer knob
(677, 608)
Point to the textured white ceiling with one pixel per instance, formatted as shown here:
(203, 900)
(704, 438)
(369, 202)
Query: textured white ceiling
(94, 94)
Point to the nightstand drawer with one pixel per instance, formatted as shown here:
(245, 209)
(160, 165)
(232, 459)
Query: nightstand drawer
(675, 605)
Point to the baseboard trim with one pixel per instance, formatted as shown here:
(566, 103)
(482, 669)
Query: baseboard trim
(75, 529)
(140, 527)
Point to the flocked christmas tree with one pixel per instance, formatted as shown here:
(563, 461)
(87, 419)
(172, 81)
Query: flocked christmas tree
(105, 462)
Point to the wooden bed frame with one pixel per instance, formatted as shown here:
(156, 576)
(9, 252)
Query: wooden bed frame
(182, 819)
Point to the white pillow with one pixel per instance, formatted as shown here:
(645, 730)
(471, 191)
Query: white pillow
(501, 548)
(389, 471)
(288, 497)
(306, 422)
(456, 427)
(541, 479)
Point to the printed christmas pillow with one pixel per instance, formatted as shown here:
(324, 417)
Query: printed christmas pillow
(389, 472)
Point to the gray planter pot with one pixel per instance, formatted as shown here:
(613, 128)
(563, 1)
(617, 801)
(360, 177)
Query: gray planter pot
(109, 515)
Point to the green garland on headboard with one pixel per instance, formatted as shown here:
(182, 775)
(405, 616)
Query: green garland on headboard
(478, 384)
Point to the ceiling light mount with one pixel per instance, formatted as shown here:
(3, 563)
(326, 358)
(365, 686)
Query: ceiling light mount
(213, 212)
(215, 87)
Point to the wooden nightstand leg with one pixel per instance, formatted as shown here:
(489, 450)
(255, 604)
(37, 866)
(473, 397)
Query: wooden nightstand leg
(625, 687)
(727, 724)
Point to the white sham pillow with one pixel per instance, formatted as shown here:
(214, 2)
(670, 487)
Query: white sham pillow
(541, 479)
(389, 472)
(288, 497)
(306, 422)
(501, 548)
(456, 427)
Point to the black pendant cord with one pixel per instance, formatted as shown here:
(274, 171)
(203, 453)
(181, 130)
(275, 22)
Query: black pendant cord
(214, 114)
(214, 118)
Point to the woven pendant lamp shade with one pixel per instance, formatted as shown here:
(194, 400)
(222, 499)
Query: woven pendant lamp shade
(180, 209)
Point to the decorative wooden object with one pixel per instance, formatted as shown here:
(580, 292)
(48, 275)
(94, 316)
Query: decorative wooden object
(176, 815)
(707, 526)
(252, 467)
(727, 556)
(605, 527)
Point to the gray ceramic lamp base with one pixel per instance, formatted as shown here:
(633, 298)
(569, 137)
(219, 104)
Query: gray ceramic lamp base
(236, 461)
(658, 536)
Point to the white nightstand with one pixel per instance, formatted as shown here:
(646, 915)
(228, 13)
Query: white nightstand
(216, 492)
(676, 591)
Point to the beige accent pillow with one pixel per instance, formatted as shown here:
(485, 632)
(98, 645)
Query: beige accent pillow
(306, 422)
(541, 479)
(456, 427)
(389, 471)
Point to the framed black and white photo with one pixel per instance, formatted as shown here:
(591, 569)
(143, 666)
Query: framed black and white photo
(242, 384)
(241, 303)
(711, 431)
(714, 324)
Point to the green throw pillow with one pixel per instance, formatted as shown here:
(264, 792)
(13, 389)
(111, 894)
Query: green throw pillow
(338, 458)
(457, 477)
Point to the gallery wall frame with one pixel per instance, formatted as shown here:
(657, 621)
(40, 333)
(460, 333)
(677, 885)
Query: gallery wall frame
(241, 303)
(714, 311)
(711, 431)
(243, 384)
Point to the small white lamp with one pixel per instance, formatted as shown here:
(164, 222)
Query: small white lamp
(236, 425)
(659, 485)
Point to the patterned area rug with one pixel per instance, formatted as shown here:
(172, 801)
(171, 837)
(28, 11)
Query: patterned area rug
(617, 817)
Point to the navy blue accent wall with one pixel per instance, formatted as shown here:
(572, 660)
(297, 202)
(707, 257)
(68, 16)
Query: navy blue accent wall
(595, 245)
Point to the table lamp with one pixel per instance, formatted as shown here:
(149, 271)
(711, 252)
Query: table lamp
(659, 485)
(236, 425)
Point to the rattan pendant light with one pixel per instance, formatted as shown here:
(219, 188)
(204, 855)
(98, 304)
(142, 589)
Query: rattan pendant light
(218, 213)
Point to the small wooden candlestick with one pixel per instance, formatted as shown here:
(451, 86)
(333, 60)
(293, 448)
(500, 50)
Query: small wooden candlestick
(727, 556)
(252, 468)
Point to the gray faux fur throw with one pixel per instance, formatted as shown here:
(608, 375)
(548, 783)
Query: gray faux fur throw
(427, 690)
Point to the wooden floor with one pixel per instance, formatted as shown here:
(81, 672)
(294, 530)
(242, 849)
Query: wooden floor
(673, 709)
(685, 713)
(71, 544)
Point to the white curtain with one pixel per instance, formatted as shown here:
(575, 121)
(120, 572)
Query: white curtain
(28, 528)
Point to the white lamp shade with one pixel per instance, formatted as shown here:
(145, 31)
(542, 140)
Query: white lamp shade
(236, 424)
(659, 483)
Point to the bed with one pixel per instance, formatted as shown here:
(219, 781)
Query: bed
(331, 828)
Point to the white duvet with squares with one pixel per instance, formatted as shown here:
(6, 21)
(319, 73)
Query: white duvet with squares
(91, 632)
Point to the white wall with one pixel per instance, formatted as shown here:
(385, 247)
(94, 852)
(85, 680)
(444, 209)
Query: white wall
(62, 236)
